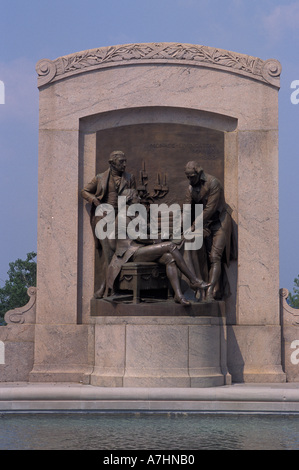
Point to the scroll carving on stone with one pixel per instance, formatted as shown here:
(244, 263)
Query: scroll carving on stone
(25, 314)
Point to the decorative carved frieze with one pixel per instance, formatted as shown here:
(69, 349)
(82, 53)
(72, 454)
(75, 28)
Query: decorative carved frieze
(266, 71)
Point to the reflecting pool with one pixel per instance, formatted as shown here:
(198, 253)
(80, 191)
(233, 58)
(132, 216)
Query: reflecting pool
(145, 431)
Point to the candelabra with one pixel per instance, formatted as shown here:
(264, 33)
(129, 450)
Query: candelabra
(160, 188)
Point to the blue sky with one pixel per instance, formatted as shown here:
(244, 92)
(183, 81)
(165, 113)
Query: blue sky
(34, 29)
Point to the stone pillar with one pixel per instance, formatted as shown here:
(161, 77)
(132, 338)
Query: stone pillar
(61, 343)
(255, 339)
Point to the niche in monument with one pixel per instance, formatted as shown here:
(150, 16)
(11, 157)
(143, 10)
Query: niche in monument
(160, 151)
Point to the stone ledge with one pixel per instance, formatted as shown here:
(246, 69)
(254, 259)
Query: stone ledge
(101, 307)
(257, 398)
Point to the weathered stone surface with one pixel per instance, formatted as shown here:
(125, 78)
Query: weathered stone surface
(160, 352)
(17, 352)
(254, 353)
(61, 353)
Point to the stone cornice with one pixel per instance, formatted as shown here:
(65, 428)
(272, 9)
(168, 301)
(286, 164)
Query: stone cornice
(267, 71)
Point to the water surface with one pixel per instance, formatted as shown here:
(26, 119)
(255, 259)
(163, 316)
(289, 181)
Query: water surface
(145, 431)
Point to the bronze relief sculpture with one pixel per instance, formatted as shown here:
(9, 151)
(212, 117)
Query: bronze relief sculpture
(203, 268)
(105, 188)
(163, 252)
(207, 190)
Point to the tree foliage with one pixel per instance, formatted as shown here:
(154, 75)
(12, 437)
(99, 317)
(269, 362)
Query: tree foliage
(294, 298)
(21, 276)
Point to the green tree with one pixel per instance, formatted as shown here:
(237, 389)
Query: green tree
(21, 276)
(294, 298)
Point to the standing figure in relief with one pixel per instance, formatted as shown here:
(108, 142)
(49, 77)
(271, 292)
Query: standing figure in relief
(105, 188)
(207, 190)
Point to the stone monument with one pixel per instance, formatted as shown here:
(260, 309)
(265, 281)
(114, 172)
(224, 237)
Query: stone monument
(165, 120)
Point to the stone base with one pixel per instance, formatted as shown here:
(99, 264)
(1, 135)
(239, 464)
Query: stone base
(212, 377)
(16, 360)
(254, 353)
(156, 351)
(62, 353)
(60, 374)
(124, 306)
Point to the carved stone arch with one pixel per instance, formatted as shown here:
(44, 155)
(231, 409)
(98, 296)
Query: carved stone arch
(159, 114)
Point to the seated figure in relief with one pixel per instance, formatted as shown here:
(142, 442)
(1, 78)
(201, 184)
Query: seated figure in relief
(163, 252)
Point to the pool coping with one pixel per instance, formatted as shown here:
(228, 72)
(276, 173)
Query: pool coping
(69, 397)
